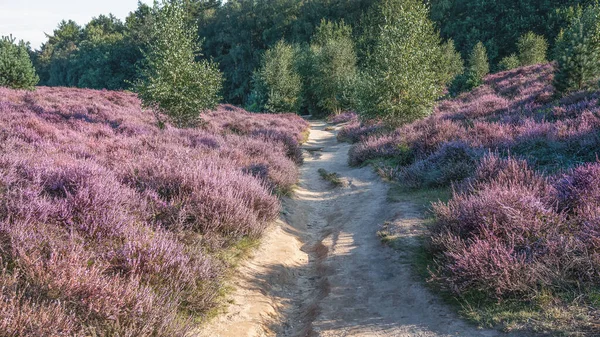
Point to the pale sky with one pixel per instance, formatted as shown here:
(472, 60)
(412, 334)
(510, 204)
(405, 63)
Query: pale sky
(29, 19)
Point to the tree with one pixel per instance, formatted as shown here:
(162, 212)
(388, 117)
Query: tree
(332, 71)
(277, 84)
(509, 62)
(401, 80)
(578, 52)
(532, 49)
(498, 24)
(171, 80)
(478, 66)
(16, 69)
(451, 63)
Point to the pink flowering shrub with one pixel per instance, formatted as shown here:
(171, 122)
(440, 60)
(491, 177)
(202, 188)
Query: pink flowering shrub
(343, 117)
(110, 225)
(355, 131)
(512, 112)
(522, 218)
(510, 232)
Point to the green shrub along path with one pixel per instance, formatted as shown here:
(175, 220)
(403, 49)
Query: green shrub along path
(323, 271)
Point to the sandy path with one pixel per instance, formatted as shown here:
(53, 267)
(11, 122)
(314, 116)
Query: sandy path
(322, 271)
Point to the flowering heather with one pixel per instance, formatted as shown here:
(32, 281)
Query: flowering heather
(512, 112)
(528, 217)
(511, 231)
(112, 226)
(343, 117)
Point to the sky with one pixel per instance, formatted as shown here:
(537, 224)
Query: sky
(28, 20)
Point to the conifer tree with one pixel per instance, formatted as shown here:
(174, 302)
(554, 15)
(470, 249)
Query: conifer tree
(578, 52)
(478, 66)
(16, 69)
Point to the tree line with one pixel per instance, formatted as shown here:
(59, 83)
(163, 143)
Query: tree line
(387, 59)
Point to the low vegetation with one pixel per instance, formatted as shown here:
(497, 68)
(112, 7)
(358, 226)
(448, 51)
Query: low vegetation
(112, 226)
(520, 226)
(333, 178)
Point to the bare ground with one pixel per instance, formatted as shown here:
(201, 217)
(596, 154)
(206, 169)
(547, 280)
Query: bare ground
(322, 271)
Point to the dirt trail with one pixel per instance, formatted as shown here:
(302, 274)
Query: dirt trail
(322, 271)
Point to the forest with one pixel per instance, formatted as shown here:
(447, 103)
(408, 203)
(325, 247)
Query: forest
(238, 35)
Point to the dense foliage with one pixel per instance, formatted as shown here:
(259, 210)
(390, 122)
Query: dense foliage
(110, 226)
(277, 84)
(171, 80)
(401, 79)
(532, 49)
(499, 24)
(329, 70)
(100, 55)
(16, 69)
(237, 33)
(578, 52)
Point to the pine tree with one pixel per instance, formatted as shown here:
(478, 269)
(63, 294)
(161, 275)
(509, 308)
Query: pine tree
(16, 69)
(478, 66)
(171, 80)
(509, 62)
(451, 63)
(578, 52)
(532, 49)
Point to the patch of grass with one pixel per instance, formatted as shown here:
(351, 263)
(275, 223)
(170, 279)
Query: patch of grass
(231, 258)
(420, 197)
(329, 128)
(304, 136)
(332, 177)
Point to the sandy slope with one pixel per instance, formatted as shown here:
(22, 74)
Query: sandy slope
(322, 271)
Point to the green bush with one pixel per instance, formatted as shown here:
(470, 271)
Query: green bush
(331, 77)
(451, 63)
(16, 69)
(532, 49)
(578, 52)
(509, 62)
(277, 85)
(171, 80)
(401, 81)
(478, 66)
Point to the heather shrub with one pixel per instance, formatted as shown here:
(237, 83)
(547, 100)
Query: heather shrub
(16, 69)
(577, 52)
(532, 49)
(209, 198)
(344, 117)
(453, 162)
(356, 131)
(276, 85)
(579, 192)
(171, 80)
(509, 231)
(503, 225)
(112, 226)
(377, 148)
